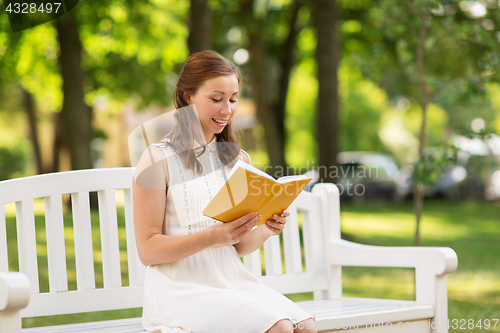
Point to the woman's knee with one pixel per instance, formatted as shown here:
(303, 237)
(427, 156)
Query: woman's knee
(281, 326)
(305, 326)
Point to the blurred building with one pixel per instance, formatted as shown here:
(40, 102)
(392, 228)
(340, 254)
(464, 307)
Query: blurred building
(111, 148)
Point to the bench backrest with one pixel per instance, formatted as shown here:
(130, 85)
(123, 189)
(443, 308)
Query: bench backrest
(110, 276)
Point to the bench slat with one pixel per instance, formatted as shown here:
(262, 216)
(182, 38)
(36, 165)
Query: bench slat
(26, 242)
(313, 239)
(82, 229)
(291, 240)
(136, 269)
(295, 283)
(338, 313)
(316, 240)
(109, 239)
(272, 256)
(329, 314)
(75, 301)
(56, 251)
(307, 239)
(41, 186)
(252, 262)
(129, 325)
(4, 258)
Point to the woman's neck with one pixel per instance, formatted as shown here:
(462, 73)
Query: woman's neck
(209, 138)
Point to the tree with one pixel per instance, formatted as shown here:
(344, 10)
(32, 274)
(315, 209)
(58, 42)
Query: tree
(105, 49)
(327, 57)
(25, 78)
(200, 24)
(272, 57)
(76, 114)
(417, 35)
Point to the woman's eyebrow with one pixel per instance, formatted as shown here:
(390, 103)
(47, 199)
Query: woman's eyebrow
(223, 92)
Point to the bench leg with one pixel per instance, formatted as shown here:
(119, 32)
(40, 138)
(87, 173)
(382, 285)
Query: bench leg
(10, 322)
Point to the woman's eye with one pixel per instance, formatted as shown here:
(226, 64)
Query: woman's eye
(218, 100)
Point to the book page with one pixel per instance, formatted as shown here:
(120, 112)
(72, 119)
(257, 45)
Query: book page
(286, 179)
(241, 164)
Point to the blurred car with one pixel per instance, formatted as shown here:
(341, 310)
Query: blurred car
(470, 176)
(451, 183)
(363, 176)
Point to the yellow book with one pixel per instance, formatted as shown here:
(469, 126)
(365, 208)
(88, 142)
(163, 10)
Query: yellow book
(249, 189)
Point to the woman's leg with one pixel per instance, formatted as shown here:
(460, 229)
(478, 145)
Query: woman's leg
(281, 326)
(305, 326)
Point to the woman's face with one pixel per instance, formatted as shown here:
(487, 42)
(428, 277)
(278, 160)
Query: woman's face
(215, 101)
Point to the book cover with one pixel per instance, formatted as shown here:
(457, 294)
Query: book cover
(249, 189)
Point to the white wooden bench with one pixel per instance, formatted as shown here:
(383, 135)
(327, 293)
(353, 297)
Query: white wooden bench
(325, 254)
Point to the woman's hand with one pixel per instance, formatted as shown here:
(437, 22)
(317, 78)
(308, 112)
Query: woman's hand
(232, 232)
(277, 224)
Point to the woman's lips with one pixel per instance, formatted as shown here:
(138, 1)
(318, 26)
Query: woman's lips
(221, 124)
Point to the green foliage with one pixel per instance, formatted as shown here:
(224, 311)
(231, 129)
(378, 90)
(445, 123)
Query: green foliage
(362, 104)
(130, 47)
(14, 145)
(299, 122)
(428, 169)
(436, 122)
(12, 162)
(30, 58)
(494, 95)
(466, 102)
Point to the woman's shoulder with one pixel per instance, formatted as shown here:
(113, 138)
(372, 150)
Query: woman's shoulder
(152, 168)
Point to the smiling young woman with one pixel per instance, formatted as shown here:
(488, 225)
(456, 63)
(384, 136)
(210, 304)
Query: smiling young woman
(195, 280)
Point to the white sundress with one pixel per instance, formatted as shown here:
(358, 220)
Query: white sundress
(211, 290)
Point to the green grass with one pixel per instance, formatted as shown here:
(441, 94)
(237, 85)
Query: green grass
(471, 228)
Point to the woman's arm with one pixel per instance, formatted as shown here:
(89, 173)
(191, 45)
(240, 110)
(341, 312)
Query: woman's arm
(149, 200)
(259, 235)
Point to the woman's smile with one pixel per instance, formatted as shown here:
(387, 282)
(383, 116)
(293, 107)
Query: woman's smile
(221, 122)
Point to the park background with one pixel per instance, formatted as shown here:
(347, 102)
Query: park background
(401, 78)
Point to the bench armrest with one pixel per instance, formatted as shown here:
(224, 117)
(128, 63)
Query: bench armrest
(431, 264)
(435, 260)
(14, 296)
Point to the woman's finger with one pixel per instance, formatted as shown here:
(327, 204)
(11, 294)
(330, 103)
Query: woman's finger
(277, 225)
(280, 219)
(244, 219)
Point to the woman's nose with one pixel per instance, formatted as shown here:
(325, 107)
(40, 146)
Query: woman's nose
(226, 108)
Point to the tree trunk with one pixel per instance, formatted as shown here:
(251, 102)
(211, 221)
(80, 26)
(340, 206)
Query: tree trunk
(77, 116)
(29, 107)
(260, 89)
(59, 140)
(418, 205)
(286, 61)
(327, 57)
(200, 26)
(419, 187)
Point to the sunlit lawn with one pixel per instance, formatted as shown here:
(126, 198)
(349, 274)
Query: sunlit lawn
(472, 229)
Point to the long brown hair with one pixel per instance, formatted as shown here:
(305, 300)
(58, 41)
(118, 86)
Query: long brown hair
(198, 68)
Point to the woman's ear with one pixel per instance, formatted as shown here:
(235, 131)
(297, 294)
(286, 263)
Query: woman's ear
(186, 96)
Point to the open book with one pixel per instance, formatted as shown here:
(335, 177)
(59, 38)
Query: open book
(249, 189)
